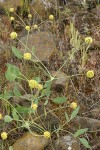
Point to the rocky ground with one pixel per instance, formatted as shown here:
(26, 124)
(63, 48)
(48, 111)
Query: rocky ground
(52, 47)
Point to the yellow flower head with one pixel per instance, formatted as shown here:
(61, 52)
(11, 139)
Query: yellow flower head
(73, 105)
(28, 28)
(88, 40)
(13, 35)
(29, 16)
(47, 134)
(12, 18)
(4, 135)
(34, 106)
(39, 87)
(1, 116)
(90, 74)
(35, 26)
(51, 17)
(11, 10)
(27, 56)
(32, 84)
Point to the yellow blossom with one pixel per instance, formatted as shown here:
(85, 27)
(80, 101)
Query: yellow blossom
(39, 87)
(11, 10)
(28, 28)
(1, 116)
(88, 40)
(35, 26)
(12, 18)
(73, 105)
(27, 56)
(34, 106)
(32, 83)
(29, 16)
(90, 74)
(51, 17)
(47, 134)
(13, 35)
(4, 135)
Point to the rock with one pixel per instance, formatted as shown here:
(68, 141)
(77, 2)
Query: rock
(5, 30)
(42, 7)
(43, 44)
(61, 82)
(66, 143)
(84, 122)
(7, 4)
(95, 112)
(30, 142)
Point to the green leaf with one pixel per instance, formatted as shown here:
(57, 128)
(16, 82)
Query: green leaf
(22, 110)
(14, 114)
(74, 113)
(8, 118)
(67, 117)
(84, 142)
(16, 91)
(16, 52)
(80, 131)
(12, 72)
(11, 148)
(6, 95)
(48, 87)
(60, 100)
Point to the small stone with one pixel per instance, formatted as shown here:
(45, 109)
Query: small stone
(7, 4)
(66, 143)
(42, 7)
(30, 142)
(95, 112)
(60, 83)
(84, 122)
(43, 44)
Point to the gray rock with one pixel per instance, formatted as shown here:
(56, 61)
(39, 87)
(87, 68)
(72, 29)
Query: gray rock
(30, 142)
(61, 82)
(84, 122)
(43, 44)
(66, 143)
(7, 4)
(95, 112)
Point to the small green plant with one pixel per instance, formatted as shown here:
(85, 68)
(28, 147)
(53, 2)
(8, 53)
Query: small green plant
(38, 91)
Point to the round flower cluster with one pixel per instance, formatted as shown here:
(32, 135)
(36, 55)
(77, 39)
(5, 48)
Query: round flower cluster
(73, 105)
(88, 40)
(51, 17)
(47, 134)
(4, 135)
(29, 16)
(34, 84)
(35, 26)
(27, 56)
(13, 35)
(28, 28)
(34, 106)
(90, 74)
(11, 10)
(12, 18)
